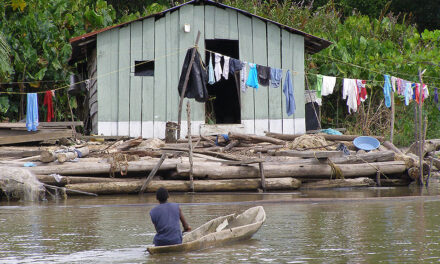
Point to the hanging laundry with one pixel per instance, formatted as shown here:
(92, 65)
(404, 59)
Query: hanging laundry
(217, 67)
(436, 98)
(362, 89)
(387, 91)
(400, 86)
(275, 77)
(288, 92)
(425, 92)
(48, 102)
(393, 83)
(196, 86)
(252, 80)
(211, 78)
(350, 92)
(235, 65)
(32, 112)
(318, 88)
(417, 92)
(263, 75)
(243, 74)
(226, 67)
(408, 92)
(328, 84)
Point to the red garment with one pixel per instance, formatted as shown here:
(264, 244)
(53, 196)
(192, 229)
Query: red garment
(362, 90)
(417, 92)
(48, 102)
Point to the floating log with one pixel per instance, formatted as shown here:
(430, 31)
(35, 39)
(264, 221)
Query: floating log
(216, 171)
(339, 183)
(309, 154)
(184, 186)
(90, 168)
(255, 138)
(291, 137)
(394, 182)
(63, 180)
(66, 156)
(429, 146)
(379, 156)
(48, 156)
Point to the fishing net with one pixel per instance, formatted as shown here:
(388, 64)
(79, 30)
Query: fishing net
(315, 142)
(18, 183)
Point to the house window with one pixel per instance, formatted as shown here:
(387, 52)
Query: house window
(144, 68)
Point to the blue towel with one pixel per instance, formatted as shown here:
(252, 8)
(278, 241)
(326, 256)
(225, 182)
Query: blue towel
(387, 91)
(235, 65)
(252, 80)
(288, 92)
(275, 77)
(32, 112)
(211, 79)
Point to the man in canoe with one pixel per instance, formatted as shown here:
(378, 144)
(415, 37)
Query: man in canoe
(165, 218)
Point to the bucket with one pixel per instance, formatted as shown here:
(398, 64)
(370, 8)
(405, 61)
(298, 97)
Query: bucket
(170, 132)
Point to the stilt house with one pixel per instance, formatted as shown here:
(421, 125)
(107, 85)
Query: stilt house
(134, 70)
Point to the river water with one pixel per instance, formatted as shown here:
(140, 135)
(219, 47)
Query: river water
(374, 225)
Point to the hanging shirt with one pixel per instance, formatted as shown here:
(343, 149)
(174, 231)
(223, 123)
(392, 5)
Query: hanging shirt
(32, 112)
(328, 84)
(361, 84)
(243, 74)
(408, 92)
(48, 102)
(393, 83)
(198, 77)
(252, 80)
(234, 65)
(263, 75)
(425, 92)
(166, 220)
(217, 68)
(318, 89)
(211, 78)
(350, 92)
(226, 67)
(288, 92)
(387, 91)
(436, 98)
(275, 77)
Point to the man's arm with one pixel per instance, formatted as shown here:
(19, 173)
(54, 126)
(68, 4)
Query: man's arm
(186, 227)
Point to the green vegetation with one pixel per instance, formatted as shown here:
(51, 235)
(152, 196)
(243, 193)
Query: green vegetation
(364, 33)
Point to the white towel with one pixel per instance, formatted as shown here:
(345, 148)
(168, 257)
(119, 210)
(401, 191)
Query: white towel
(226, 67)
(328, 84)
(217, 67)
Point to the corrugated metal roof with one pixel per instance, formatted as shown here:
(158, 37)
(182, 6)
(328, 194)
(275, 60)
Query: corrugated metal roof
(312, 44)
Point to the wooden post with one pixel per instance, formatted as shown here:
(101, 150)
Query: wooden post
(421, 145)
(185, 83)
(263, 180)
(429, 172)
(71, 114)
(188, 111)
(392, 117)
(152, 173)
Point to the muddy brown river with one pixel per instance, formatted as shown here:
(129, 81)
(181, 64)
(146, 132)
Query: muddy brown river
(374, 225)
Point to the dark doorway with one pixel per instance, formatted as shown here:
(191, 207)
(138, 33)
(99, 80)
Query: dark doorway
(223, 106)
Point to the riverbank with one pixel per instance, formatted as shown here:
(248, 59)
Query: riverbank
(224, 163)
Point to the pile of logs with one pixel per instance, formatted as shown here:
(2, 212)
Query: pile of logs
(236, 162)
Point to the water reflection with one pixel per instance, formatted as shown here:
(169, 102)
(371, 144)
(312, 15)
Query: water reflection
(322, 229)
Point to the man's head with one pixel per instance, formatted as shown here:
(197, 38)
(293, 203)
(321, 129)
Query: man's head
(162, 195)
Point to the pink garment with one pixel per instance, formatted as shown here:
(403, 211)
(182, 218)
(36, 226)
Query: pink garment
(361, 84)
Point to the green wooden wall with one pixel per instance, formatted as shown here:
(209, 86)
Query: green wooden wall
(141, 105)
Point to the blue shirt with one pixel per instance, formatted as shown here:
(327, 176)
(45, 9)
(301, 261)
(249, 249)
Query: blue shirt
(166, 220)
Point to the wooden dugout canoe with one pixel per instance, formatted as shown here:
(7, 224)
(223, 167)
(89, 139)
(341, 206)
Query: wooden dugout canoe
(218, 231)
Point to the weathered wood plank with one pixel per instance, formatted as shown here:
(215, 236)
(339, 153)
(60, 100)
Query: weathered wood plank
(198, 109)
(114, 78)
(286, 63)
(297, 46)
(147, 81)
(160, 78)
(103, 68)
(274, 60)
(36, 136)
(209, 21)
(233, 24)
(246, 54)
(124, 82)
(221, 22)
(173, 76)
(136, 81)
(259, 41)
(43, 124)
